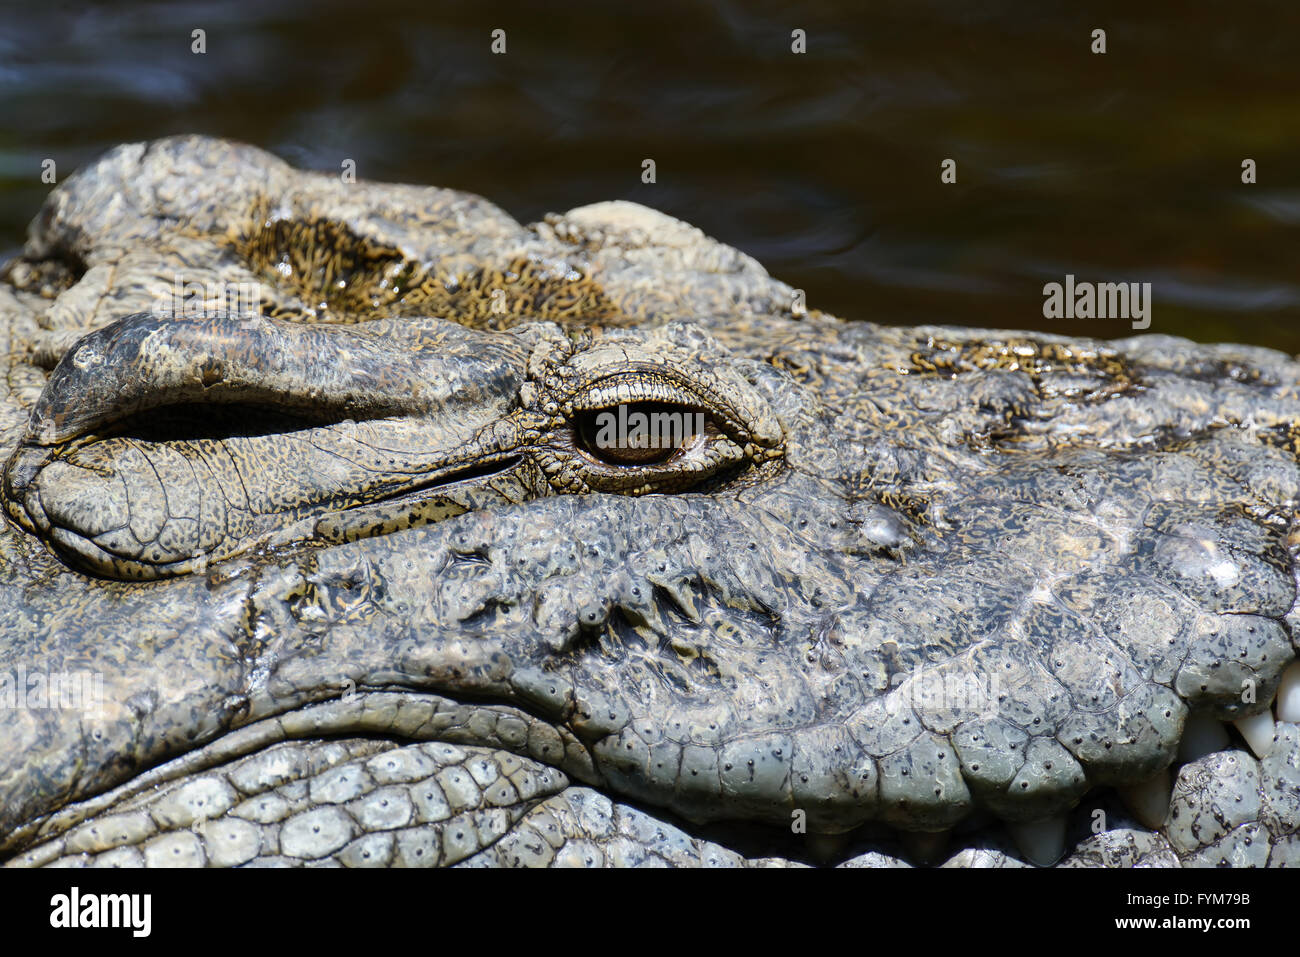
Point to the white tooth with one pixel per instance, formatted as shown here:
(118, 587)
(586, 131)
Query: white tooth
(1258, 732)
(1202, 735)
(1149, 801)
(1042, 842)
(925, 847)
(1288, 694)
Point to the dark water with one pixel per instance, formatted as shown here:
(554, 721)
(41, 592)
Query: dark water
(825, 166)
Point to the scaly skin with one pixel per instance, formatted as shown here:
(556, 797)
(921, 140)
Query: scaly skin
(362, 591)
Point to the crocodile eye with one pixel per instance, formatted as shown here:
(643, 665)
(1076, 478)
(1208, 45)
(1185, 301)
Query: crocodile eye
(640, 433)
(650, 429)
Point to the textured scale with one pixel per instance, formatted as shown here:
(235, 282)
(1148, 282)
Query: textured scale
(909, 580)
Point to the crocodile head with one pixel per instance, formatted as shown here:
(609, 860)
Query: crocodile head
(475, 542)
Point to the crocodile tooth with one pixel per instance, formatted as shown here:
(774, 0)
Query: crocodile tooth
(1258, 732)
(1288, 694)
(1149, 801)
(1202, 735)
(1042, 841)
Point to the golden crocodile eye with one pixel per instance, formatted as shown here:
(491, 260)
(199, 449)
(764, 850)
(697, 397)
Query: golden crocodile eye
(639, 433)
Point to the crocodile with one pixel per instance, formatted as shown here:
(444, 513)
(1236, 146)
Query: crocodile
(317, 551)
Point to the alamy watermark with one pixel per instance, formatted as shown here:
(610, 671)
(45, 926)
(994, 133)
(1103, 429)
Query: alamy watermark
(190, 299)
(639, 429)
(74, 909)
(935, 692)
(52, 691)
(1101, 300)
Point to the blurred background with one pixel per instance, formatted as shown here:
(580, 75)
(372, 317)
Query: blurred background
(825, 166)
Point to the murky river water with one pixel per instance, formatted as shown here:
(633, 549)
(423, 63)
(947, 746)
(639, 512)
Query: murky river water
(1117, 167)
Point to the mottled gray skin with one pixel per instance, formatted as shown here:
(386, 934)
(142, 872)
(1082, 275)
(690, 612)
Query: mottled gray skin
(911, 580)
